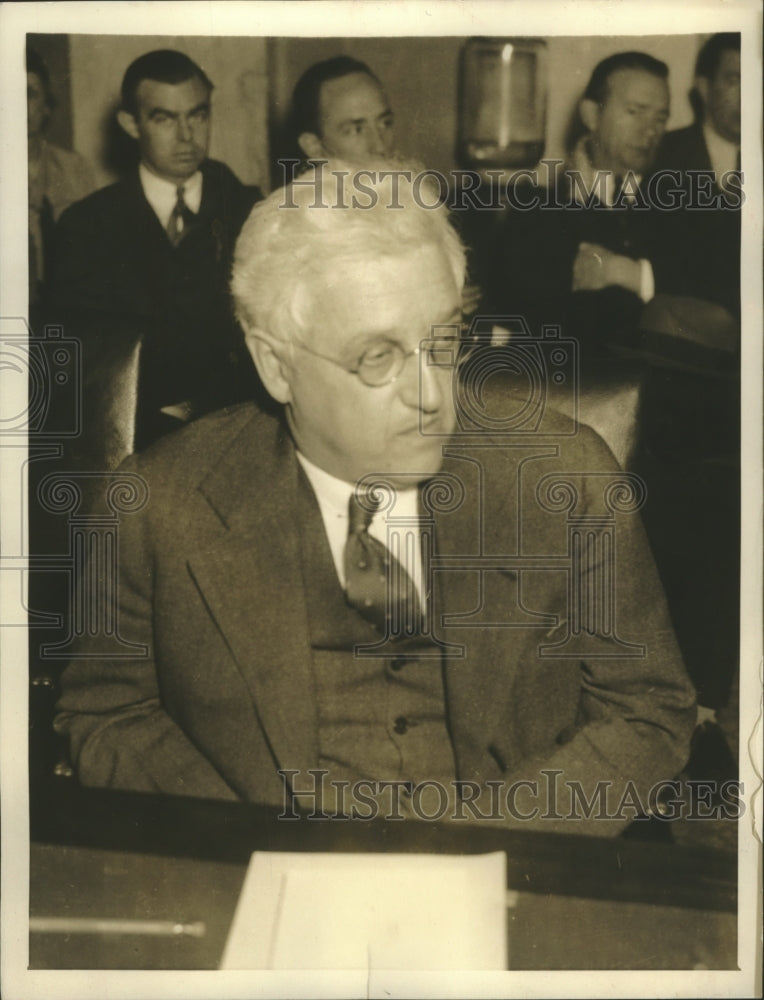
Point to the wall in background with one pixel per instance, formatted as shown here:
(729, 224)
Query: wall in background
(237, 67)
(421, 78)
(254, 78)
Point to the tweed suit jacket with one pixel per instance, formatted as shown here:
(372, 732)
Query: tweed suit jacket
(211, 585)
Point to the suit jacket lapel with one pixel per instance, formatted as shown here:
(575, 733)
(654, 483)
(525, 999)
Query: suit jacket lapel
(251, 580)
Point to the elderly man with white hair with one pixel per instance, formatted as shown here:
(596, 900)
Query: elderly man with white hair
(360, 601)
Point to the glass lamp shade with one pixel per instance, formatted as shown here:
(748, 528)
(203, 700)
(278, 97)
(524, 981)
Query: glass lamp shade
(502, 108)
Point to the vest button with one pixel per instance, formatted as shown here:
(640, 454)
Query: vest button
(401, 725)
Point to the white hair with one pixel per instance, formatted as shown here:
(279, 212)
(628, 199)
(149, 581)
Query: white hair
(331, 214)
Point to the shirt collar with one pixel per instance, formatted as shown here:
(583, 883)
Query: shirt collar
(162, 195)
(334, 494)
(722, 153)
(593, 179)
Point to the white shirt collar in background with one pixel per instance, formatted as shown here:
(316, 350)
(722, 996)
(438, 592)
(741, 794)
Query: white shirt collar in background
(162, 195)
(722, 153)
(599, 182)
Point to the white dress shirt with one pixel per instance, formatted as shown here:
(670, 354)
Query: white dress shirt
(162, 195)
(333, 497)
(722, 153)
(603, 182)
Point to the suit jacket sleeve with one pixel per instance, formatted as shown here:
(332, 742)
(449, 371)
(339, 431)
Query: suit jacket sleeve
(635, 712)
(111, 709)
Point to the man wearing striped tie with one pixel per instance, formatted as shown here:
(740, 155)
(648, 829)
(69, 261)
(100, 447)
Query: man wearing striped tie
(149, 256)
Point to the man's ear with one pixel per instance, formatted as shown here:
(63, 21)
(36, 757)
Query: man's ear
(590, 114)
(312, 146)
(128, 123)
(272, 370)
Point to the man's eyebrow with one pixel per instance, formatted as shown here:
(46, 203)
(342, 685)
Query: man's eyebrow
(644, 104)
(353, 121)
(155, 112)
(361, 121)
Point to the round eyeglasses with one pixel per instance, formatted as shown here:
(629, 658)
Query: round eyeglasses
(384, 360)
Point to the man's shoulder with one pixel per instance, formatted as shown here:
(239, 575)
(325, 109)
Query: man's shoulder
(181, 460)
(683, 149)
(547, 420)
(118, 196)
(679, 136)
(220, 176)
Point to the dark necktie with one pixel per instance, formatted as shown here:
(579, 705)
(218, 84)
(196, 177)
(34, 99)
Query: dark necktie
(181, 219)
(377, 585)
(624, 188)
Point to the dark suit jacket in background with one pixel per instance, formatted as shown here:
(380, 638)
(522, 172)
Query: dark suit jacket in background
(211, 582)
(528, 262)
(684, 149)
(710, 238)
(116, 274)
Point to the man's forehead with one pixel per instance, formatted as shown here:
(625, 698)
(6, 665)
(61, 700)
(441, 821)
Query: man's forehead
(637, 84)
(729, 63)
(338, 97)
(384, 297)
(171, 96)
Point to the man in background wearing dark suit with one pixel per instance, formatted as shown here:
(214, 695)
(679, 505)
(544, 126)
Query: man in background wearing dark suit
(712, 142)
(601, 241)
(712, 145)
(149, 256)
(691, 418)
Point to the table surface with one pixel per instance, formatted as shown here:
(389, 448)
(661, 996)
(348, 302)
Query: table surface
(582, 903)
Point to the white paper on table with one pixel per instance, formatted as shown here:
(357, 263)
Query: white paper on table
(370, 911)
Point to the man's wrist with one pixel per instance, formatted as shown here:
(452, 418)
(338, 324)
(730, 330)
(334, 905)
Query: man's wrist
(628, 274)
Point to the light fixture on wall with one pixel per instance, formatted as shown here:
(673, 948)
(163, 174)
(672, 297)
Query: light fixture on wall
(502, 107)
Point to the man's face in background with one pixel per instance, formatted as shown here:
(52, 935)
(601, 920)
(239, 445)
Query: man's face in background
(172, 127)
(627, 128)
(721, 96)
(355, 121)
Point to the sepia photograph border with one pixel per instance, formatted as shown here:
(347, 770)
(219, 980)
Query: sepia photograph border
(402, 18)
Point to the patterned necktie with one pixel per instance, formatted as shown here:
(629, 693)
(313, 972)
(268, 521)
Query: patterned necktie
(180, 220)
(377, 585)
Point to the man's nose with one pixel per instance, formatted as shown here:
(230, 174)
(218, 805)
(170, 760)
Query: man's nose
(381, 141)
(654, 130)
(423, 384)
(184, 130)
